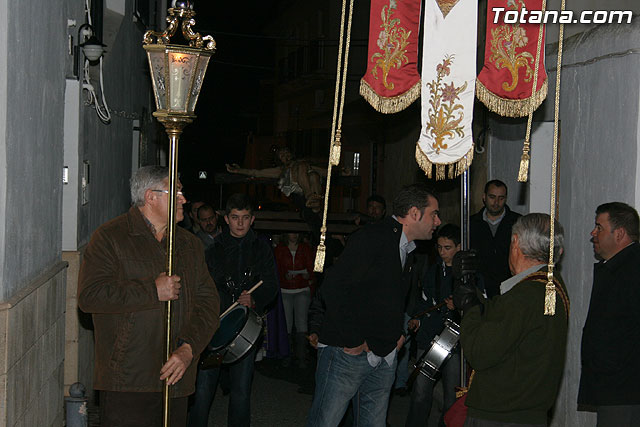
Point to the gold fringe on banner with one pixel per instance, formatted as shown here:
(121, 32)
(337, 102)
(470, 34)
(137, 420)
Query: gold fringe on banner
(389, 105)
(510, 107)
(455, 168)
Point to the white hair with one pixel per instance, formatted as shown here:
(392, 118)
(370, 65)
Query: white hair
(145, 178)
(533, 236)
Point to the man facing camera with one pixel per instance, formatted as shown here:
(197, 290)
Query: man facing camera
(517, 351)
(237, 260)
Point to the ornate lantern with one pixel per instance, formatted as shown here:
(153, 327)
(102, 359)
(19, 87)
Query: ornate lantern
(177, 73)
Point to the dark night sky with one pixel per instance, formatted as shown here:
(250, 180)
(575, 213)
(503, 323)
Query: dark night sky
(228, 103)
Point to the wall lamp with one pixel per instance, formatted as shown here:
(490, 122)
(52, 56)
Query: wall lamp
(92, 48)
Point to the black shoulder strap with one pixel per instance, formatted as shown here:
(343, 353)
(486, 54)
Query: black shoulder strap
(438, 283)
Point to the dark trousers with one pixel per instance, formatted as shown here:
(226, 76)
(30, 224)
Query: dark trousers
(131, 409)
(422, 392)
(618, 416)
(240, 377)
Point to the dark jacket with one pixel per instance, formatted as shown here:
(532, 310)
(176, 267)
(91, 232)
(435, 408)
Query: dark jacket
(117, 286)
(517, 352)
(437, 284)
(365, 290)
(611, 334)
(493, 251)
(238, 264)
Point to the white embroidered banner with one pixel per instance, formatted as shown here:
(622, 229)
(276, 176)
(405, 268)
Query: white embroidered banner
(448, 87)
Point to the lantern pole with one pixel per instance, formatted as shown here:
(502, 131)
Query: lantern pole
(465, 240)
(173, 129)
(177, 73)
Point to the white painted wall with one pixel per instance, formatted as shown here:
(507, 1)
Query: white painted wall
(32, 57)
(578, 6)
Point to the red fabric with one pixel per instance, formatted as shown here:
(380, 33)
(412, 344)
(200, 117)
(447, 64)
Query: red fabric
(503, 77)
(393, 47)
(457, 413)
(305, 258)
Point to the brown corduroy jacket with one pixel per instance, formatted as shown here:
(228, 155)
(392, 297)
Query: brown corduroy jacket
(117, 286)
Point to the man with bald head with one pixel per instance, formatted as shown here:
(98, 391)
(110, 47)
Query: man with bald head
(611, 334)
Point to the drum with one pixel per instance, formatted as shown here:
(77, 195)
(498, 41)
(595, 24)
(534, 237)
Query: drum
(441, 348)
(238, 332)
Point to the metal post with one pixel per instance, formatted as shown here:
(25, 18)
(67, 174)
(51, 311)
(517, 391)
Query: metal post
(174, 129)
(76, 406)
(464, 220)
(464, 204)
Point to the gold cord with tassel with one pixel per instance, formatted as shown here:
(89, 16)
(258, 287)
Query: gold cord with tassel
(523, 171)
(336, 127)
(550, 289)
(321, 251)
(550, 293)
(334, 155)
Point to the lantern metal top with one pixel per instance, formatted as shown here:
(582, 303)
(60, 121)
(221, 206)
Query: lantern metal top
(181, 10)
(177, 70)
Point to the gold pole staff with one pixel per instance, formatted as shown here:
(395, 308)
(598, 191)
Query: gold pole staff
(177, 73)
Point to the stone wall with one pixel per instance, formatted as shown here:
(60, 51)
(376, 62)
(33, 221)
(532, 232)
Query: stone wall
(32, 325)
(78, 360)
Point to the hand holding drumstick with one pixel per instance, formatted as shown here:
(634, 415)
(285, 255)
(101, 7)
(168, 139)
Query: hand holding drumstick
(244, 299)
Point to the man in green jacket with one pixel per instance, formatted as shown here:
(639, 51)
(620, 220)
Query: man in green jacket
(517, 351)
(124, 285)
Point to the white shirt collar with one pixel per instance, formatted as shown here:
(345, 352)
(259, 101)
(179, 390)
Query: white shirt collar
(514, 280)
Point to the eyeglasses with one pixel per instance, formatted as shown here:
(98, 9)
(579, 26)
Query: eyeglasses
(180, 193)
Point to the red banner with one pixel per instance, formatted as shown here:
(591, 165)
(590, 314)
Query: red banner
(506, 80)
(392, 81)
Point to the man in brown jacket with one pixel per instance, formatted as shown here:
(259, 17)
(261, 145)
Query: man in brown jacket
(124, 285)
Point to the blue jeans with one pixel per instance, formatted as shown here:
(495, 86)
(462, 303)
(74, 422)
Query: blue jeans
(339, 376)
(241, 376)
(422, 393)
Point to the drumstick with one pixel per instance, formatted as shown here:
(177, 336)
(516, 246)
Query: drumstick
(429, 310)
(235, 304)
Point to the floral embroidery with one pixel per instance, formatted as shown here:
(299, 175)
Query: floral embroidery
(505, 39)
(392, 40)
(443, 116)
(446, 6)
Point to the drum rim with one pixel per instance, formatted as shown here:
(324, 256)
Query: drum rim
(235, 335)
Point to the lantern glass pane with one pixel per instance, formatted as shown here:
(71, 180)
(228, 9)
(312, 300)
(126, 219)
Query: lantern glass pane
(181, 69)
(203, 60)
(156, 65)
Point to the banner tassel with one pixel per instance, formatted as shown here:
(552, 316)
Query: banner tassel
(550, 294)
(523, 172)
(321, 252)
(334, 156)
